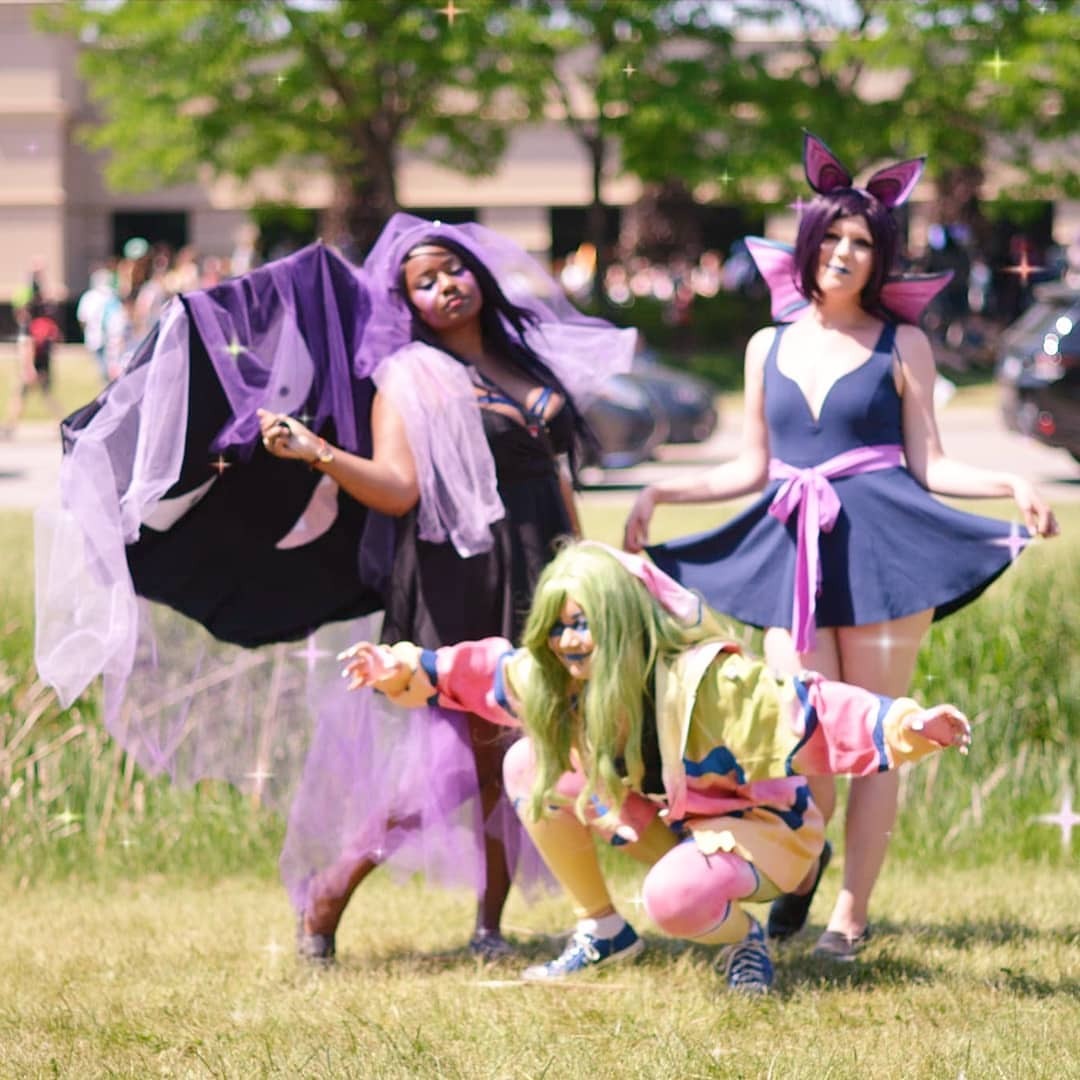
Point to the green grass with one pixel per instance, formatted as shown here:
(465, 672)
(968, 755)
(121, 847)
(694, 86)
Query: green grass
(75, 381)
(145, 933)
(969, 975)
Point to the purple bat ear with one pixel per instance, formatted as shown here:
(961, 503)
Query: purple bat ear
(823, 172)
(893, 184)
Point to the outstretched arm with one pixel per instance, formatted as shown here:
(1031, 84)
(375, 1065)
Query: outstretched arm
(468, 677)
(927, 460)
(386, 481)
(743, 474)
(846, 730)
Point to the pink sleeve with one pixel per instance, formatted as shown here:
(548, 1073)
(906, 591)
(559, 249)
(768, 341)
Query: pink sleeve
(847, 731)
(469, 676)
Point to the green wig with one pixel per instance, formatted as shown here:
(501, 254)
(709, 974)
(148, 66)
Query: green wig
(602, 719)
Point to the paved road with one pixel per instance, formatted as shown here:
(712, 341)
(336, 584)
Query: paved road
(29, 462)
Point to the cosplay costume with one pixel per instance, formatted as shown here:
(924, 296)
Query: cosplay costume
(843, 534)
(167, 495)
(732, 740)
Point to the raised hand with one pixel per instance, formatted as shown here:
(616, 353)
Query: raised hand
(636, 531)
(375, 666)
(1038, 516)
(943, 724)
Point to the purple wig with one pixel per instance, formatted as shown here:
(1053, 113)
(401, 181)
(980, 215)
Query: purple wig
(816, 219)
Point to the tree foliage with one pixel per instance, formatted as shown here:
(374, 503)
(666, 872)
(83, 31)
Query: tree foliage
(344, 84)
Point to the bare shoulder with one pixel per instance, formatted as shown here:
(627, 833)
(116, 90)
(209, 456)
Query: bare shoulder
(912, 343)
(757, 348)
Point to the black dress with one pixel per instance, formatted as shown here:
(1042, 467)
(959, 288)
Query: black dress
(435, 596)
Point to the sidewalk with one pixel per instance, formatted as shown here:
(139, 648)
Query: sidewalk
(973, 434)
(30, 461)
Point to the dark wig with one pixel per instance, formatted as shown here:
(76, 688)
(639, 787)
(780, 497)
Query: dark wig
(503, 326)
(816, 219)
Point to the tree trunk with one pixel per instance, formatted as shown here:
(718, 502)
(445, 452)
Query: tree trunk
(365, 196)
(596, 217)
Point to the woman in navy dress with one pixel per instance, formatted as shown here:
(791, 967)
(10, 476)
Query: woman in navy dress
(846, 558)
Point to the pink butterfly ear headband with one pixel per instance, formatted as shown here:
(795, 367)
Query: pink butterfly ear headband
(905, 295)
(890, 186)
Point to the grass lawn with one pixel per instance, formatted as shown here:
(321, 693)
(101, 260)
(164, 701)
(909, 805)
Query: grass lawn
(75, 378)
(970, 974)
(153, 939)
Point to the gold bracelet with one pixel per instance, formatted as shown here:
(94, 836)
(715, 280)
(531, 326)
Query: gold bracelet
(323, 454)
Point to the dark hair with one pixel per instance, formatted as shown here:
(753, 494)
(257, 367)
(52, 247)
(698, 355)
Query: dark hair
(499, 316)
(816, 219)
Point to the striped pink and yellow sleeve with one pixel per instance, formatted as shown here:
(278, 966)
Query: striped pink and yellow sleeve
(469, 677)
(847, 731)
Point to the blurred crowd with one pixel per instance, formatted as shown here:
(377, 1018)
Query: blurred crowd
(674, 283)
(125, 295)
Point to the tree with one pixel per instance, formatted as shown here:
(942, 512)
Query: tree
(964, 83)
(341, 84)
(609, 70)
(979, 83)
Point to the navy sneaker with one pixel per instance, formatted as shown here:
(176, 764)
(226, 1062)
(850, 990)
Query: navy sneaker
(584, 952)
(747, 966)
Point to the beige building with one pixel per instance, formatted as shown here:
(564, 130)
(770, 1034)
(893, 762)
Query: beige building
(57, 213)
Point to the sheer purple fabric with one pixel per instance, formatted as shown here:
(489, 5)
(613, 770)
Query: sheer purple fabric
(308, 335)
(437, 403)
(582, 351)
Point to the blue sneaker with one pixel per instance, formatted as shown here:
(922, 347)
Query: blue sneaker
(747, 966)
(584, 952)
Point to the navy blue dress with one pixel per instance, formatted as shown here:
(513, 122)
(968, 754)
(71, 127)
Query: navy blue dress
(894, 550)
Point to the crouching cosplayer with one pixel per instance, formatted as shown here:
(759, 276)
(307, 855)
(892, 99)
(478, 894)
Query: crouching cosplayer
(646, 725)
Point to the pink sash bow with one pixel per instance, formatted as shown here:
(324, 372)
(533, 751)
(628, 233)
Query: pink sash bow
(819, 505)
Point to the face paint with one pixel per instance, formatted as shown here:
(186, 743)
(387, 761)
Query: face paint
(441, 288)
(570, 639)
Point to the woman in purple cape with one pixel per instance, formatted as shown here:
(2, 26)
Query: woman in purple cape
(846, 558)
(432, 393)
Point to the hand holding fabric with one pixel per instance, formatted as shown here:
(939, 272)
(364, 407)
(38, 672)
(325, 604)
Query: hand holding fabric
(285, 437)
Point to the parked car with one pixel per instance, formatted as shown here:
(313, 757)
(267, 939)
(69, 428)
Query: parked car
(1039, 369)
(649, 405)
(688, 402)
(628, 421)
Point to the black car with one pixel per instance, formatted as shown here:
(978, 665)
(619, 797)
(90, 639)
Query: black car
(649, 405)
(628, 421)
(688, 403)
(1039, 369)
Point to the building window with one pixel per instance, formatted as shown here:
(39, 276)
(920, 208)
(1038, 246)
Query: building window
(154, 226)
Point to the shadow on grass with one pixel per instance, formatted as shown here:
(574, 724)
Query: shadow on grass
(880, 965)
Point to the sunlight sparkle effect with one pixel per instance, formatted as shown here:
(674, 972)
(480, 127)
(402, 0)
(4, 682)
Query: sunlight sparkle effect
(67, 817)
(1023, 269)
(725, 178)
(234, 348)
(260, 776)
(311, 653)
(1015, 541)
(451, 11)
(799, 205)
(629, 69)
(1066, 819)
(273, 949)
(219, 465)
(997, 64)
